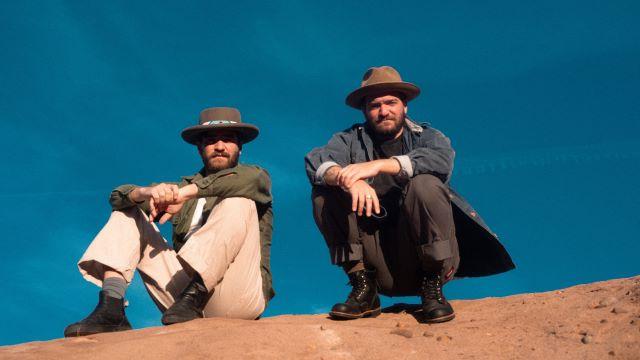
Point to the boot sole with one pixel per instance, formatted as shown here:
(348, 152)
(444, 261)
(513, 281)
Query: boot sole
(85, 332)
(344, 316)
(440, 319)
(170, 320)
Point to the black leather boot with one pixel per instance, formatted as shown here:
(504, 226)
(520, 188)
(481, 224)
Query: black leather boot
(189, 306)
(363, 301)
(106, 317)
(435, 308)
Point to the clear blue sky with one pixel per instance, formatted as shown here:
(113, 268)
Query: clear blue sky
(540, 101)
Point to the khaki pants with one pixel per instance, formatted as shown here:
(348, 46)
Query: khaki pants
(225, 252)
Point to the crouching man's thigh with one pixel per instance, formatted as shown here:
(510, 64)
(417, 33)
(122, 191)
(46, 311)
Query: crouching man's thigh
(239, 292)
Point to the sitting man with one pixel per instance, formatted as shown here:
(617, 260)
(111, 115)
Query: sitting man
(381, 200)
(222, 224)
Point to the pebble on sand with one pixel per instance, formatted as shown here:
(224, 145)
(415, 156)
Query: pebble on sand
(402, 332)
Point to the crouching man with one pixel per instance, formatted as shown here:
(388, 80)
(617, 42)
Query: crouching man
(383, 204)
(222, 224)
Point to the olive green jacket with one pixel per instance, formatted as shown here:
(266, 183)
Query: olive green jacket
(247, 181)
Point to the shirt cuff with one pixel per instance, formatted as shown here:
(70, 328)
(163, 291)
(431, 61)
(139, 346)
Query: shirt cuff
(322, 169)
(406, 168)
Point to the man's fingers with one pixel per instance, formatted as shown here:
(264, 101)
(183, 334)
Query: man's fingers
(376, 202)
(168, 196)
(354, 201)
(361, 202)
(176, 192)
(153, 211)
(165, 217)
(155, 196)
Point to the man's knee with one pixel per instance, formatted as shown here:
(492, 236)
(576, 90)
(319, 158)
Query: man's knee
(427, 189)
(234, 209)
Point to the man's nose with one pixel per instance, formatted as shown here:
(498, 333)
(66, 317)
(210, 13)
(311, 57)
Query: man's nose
(384, 111)
(218, 145)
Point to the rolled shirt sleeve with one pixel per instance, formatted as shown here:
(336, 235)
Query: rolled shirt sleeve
(321, 159)
(119, 199)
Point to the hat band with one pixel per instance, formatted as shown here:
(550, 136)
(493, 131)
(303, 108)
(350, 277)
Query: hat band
(218, 122)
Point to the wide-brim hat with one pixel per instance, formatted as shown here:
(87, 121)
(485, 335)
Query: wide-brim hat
(378, 80)
(220, 118)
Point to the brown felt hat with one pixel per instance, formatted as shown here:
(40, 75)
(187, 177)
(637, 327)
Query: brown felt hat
(220, 118)
(378, 80)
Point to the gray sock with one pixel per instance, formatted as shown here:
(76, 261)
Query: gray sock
(114, 287)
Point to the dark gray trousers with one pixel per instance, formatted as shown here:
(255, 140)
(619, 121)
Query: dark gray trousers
(420, 238)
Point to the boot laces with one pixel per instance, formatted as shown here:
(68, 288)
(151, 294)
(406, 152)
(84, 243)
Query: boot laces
(360, 286)
(432, 288)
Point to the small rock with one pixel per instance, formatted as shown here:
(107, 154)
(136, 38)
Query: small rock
(584, 332)
(632, 322)
(402, 332)
(619, 310)
(322, 328)
(612, 353)
(606, 302)
(603, 321)
(587, 339)
(398, 324)
(446, 337)
(427, 334)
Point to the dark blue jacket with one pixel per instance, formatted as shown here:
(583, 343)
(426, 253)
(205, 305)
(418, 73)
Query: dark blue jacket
(427, 151)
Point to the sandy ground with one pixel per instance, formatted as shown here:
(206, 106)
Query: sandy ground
(593, 321)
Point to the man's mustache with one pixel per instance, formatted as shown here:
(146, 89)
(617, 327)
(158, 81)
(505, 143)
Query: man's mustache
(223, 154)
(392, 118)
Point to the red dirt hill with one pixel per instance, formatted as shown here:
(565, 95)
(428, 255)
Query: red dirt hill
(594, 321)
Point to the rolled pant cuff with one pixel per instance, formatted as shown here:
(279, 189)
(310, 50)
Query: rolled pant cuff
(436, 251)
(93, 270)
(345, 253)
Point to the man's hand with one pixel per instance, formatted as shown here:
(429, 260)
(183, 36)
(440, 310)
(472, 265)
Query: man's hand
(168, 210)
(165, 199)
(348, 175)
(161, 194)
(354, 172)
(363, 196)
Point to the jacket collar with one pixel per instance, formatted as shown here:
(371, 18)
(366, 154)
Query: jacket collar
(195, 177)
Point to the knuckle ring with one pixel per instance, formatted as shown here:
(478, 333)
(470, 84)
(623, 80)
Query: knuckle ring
(368, 196)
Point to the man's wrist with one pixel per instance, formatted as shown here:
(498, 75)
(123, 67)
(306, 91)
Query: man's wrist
(331, 175)
(136, 196)
(188, 192)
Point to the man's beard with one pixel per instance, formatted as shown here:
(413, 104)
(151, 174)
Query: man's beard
(384, 133)
(216, 162)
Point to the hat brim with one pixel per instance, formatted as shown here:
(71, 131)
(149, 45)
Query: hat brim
(355, 98)
(246, 132)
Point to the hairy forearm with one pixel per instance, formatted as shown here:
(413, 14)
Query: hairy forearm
(345, 177)
(188, 192)
(331, 176)
(388, 166)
